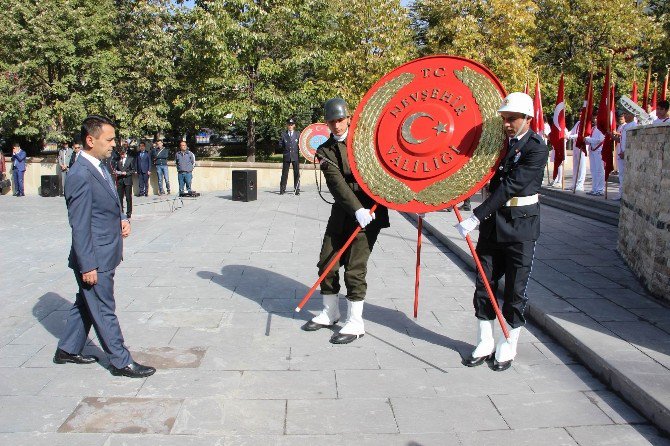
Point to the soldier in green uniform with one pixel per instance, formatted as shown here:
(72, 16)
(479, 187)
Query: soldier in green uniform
(351, 208)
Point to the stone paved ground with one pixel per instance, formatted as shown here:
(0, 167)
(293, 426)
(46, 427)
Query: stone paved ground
(206, 293)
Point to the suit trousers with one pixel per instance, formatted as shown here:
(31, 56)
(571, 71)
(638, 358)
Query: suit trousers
(354, 260)
(284, 175)
(127, 190)
(143, 180)
(95, 306)
(515, 262)
(17, 176)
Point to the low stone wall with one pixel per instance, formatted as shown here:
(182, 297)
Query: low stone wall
(207, 176)
(644, 223)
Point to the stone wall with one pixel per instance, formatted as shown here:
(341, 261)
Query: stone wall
(207, 176)
(644, 223)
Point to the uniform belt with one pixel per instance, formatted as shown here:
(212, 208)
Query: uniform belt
(522, 201)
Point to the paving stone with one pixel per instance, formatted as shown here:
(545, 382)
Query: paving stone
(34, 413)
(635, 435)
(525, 411)
(51, 439)
(182, 383)
(602, 310)
(170, 357)
(294, 384)
(218, 416)
(123, 415)
(528, 437)
(453, 414)
(336, 417)
(384, 383)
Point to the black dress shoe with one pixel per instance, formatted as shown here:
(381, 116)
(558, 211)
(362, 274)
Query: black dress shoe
(297, 192)
(281, 192)
(465, 207)
(344, 338)
(133, 370)
(313, 326)
(501, 366)
(474, 362)
(62, 357)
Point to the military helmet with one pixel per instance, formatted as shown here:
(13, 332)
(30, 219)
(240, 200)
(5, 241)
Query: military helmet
(517, 102)
(335, 108)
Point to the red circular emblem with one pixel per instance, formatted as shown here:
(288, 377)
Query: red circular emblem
(311, 138)
(427, 135)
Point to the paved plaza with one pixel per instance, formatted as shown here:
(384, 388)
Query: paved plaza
(206, 294)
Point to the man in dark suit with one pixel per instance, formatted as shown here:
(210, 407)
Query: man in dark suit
(510, 226)
(98, 226)
(288, 143)
(143, 162)
(124, 168)
(18, 169)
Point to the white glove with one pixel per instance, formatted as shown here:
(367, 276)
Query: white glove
(364, 217)
(467, 225)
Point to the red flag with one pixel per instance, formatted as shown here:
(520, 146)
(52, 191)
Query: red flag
(585, 116)
(608, 145)
(654, 99)
(537, 125)
(557, 134)
(525, 88)
(633, 95)
(603, 119)
(645, 96)
(665, 87)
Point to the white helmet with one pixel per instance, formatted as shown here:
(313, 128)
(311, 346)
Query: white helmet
(517, 103)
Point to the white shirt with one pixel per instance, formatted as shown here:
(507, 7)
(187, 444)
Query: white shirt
(662, 120)
(624, 130)
(95, 161)
(595, 139)
(574, 132)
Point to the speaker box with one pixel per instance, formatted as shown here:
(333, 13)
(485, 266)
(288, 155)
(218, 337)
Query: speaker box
(49, 185)
(244, 185)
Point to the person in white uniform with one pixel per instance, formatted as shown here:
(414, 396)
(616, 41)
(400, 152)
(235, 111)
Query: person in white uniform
(621, 150)
(595, 147)
(578, 160)
(662, 115)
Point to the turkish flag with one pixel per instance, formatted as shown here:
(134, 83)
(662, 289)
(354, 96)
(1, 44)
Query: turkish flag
(585, 116)
(645, 95)
(665, 87)
(604, 109)
(537, 125)
(654, 99)
(608, 145)
(633, 95)
(557, 124)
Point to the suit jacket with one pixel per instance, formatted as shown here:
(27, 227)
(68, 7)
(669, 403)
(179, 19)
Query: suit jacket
(348, 195)
(128, 167)
(289, 145)
(73, 158)
(64, 156)
(19, 161)
(519, 175)
(95, 217)
(143, 162)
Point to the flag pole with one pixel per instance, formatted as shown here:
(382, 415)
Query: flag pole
(418, 266)
(331, 264)
(482, 275)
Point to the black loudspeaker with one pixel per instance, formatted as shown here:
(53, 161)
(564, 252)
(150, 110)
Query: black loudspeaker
(49, 185)
(244, 185)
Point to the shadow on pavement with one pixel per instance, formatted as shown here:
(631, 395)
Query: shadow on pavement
(231, 277)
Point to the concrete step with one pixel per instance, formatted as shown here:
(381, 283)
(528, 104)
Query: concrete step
(581, 198)
(589, 210)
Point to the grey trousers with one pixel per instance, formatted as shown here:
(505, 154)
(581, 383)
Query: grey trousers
(95, 306)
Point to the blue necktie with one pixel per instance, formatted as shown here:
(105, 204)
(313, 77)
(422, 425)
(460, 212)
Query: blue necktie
(107, 176)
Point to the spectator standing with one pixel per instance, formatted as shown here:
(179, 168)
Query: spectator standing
(160, 157)
(143, 164)
(18, 169)
(64, 155)
(125, 168)
(288, 143)
(185, 162)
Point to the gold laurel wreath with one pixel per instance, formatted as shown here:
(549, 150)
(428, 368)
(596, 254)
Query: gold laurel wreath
(482, 160)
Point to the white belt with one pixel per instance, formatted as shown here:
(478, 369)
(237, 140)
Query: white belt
(522, 201)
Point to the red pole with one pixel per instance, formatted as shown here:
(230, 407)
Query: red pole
(489, 291)
(330, 265)
(418, 268)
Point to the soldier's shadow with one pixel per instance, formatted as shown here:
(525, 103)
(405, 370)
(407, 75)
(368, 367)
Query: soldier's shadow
(261, 285)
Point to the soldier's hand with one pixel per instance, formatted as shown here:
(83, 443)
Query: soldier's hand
(125, 228)
(364, 217)
(467, 225)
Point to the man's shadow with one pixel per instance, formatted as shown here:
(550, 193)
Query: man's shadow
(48, 304)
(249, 281)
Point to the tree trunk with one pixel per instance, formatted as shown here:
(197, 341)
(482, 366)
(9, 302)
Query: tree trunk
(251, 139)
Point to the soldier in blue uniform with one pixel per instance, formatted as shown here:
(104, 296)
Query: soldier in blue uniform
(288, 143)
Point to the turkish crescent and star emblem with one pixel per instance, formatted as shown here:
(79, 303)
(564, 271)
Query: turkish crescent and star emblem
(311, 138)
(427, 135)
